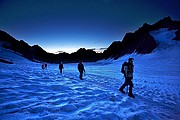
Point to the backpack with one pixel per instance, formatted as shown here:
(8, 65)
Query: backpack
(122, 67)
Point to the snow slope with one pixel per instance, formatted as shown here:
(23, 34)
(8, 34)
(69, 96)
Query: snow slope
(10, 55)
(27, 92)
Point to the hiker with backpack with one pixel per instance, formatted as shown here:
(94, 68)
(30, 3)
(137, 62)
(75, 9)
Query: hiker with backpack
(123, 68)
(128, 69)
(81, 69)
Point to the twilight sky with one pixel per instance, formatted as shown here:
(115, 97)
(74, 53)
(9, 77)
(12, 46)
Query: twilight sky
(67, 25)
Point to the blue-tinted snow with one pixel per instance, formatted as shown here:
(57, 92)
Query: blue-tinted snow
(27, 92)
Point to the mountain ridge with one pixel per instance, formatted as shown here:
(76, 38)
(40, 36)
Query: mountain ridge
(36, 53)
(140, 42)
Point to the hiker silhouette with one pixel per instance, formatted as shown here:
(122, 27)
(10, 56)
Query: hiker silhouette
(44, 66)
(61, 67)
(127, 70)
(81, 69)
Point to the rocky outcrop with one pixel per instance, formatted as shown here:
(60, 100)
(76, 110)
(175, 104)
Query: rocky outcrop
(177, 35)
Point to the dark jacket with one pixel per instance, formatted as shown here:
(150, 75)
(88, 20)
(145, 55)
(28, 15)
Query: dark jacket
(81, 67)
(60, 66)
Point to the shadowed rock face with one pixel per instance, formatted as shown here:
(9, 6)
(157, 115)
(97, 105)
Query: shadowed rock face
(177, 35)
(113, 50)
(140, 41)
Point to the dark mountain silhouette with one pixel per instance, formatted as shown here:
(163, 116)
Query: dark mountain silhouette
(15, 45)
(140, 41)
(86, 55)
(36, 53)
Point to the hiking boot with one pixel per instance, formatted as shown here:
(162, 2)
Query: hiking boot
(131, 95)
(122, 91)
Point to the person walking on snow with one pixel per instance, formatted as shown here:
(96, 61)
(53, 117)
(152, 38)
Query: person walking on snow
(44, 66)
(81, 69)
(61, 67)
(128, 73)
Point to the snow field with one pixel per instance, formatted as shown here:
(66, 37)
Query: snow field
(46, 94)
(27, 92)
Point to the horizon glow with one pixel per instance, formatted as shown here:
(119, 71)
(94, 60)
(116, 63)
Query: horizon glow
(67, 25)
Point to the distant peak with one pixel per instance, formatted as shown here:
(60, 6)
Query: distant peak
(166, 19)
(37, 47)
(145, 27)
(145, 24)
